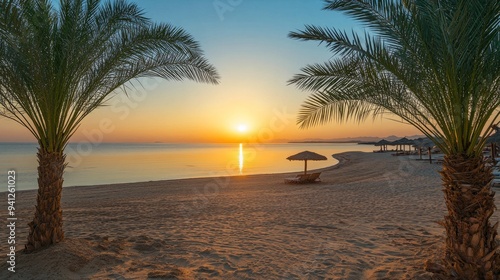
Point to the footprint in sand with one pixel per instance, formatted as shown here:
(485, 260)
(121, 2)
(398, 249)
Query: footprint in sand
(207, 270)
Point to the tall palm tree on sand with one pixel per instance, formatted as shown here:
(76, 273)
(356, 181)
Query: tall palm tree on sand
(436, 65)
(58, 64)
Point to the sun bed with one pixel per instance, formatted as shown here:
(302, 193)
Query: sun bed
(314, 177)
(304, 178)
(301, 178)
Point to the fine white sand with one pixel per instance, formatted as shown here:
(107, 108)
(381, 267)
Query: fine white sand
(372, 217)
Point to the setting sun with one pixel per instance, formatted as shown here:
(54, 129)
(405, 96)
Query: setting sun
(242, 128)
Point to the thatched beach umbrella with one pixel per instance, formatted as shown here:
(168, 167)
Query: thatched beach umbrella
(383, 143)
(403, 142)
(418, 144)
(305, 156)
(424, 143)
(429, 144)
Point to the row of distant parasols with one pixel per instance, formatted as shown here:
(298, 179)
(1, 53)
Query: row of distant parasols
(422, 143)
(417, 143)
(425, 142)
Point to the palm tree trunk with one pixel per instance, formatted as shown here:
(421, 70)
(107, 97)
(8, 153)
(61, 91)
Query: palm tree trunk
(46, 227)
(471, 248)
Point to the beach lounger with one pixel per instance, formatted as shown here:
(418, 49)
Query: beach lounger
(304, 178)
(314, 177)
(301, 178)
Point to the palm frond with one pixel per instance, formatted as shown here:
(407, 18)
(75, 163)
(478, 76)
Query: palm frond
(57, 66)
(435, 64)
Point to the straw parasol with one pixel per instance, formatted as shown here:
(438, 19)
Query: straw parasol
(403, 142)
(428, 143)
(305, 156)
(383, 144)
(424, 143)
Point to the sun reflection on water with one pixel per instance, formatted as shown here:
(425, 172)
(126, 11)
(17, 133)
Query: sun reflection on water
(241, 158)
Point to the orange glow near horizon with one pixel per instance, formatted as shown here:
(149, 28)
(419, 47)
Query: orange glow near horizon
(158, 126)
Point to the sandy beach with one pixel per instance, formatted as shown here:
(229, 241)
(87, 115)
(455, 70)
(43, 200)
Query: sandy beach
(372, 217)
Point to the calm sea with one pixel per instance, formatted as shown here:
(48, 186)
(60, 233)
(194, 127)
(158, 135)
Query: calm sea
(105, 163)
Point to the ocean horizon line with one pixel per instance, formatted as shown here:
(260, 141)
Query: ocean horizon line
(329, 141)
(107, 163)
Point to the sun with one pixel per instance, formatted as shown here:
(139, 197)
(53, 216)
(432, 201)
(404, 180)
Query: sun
(242, 128)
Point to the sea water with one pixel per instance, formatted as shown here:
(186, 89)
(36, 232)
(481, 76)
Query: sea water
(105, 163)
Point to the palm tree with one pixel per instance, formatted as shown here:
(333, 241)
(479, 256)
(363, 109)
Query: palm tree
(436, 65)
(59, 64)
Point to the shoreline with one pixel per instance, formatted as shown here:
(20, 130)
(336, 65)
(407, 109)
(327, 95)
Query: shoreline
(341, 160)
(125, 164)
(372, 216)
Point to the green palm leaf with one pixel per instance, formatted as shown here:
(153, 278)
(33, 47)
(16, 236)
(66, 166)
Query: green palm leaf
(449, 76)
(85, 52)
